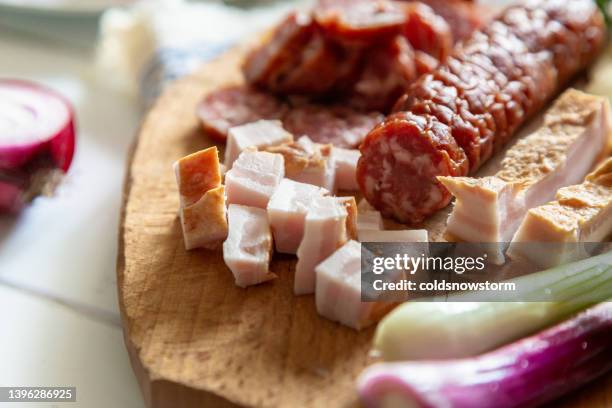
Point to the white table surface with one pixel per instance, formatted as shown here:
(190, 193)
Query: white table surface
(60, 323)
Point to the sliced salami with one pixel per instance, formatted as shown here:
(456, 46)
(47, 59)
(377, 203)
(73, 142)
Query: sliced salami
(360, 21)
(279, 52)
(338, 125)
(389, 71)
(428, 32)
(463, 17)
(320, 69)
(473, 103)
(234, 106)
(350, 52)
(404, 145)
(424, 62)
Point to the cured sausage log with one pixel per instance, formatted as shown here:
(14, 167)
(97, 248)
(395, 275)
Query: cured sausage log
(453, 119)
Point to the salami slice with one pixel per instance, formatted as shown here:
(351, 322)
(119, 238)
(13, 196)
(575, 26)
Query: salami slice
(427, 31)
(478, 98)
(350, 51)
(360, 21)
(320, 69)
(424, 62)
(234, 106)
(386, 77)
(404, 145)
(338, 125)
(463, 17)
(279, 52)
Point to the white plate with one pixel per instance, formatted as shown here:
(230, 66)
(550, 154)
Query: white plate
(61, 7)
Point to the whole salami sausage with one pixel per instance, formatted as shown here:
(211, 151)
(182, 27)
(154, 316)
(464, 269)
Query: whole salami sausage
(453, 119)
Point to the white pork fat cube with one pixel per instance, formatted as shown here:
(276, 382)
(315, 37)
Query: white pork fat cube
(286, 212)
(202, 199)
(248, 247)
(308, 162)
(369, 220)
(365, 206)
(256, 134)
(346, 168)
(324, 232)
(205, 222)
(321, 168)
(254, 178)
(338, 290)
(575, 134)
(560, 231)
(350, 204)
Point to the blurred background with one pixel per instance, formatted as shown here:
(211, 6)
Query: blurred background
(109, 58)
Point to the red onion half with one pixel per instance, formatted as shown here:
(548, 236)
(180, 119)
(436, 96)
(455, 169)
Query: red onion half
(37, 139)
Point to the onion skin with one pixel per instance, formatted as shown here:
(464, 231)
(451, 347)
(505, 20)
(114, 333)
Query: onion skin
(11, 198)
(60, 146)
(527, 373)
(21, 163)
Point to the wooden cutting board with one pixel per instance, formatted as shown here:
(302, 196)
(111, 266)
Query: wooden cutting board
(194, 338)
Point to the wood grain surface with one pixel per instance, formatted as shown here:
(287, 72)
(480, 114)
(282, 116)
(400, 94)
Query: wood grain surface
(194, 338)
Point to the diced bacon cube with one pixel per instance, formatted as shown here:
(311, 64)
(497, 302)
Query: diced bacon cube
(365, 206)
(308, 162)
(196, 174)
(574, 135)
(248, 247)
(202, 199)
(338, 290)
(205, 223)
(321, 169)
(351, 220)
(560, 231)
(254, 178)
(324, 232)
(369, 220)
(256, 134)
(286, 211)
(346, 166)
(396, 236)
